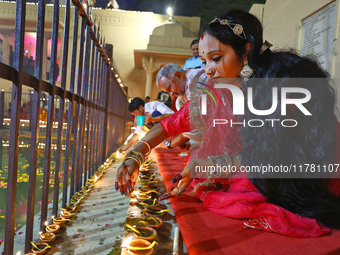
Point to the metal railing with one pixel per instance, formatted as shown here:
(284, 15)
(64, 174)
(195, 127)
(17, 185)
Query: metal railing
(95, 118)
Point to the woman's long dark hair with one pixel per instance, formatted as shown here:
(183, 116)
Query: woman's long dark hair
(312, 141)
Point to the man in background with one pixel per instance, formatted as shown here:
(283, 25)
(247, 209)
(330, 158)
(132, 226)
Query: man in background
(195, 61)
(153, 111)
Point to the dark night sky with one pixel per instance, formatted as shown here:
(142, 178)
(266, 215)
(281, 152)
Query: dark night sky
(206, 9)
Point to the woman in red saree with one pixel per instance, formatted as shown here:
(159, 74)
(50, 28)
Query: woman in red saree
(230, 45)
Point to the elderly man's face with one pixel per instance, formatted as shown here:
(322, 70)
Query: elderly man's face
(174, 86)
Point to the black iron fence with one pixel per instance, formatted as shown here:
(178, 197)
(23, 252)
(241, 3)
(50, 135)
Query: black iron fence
(89, 118)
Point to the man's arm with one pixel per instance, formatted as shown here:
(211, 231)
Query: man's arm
(131, 142)
(177, 141)
(159, 118)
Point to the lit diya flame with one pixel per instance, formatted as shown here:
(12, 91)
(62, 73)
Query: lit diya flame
(60, 220)
(47, 237)
(126, 242)
(66, 214)
(52, 228)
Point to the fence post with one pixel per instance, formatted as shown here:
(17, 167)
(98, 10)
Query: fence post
(30, 111)
(1, 153)
(109, 52)
(2, 107)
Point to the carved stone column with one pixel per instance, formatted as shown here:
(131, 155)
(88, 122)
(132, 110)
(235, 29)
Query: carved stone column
(6, 47)
(150, 67)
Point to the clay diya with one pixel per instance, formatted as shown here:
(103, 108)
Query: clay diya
(140, 247)
(66, 214)
(146, 233)
(144, 169)
(76, 200)
(60, 220)
(40, 248)
(153, 222)
(150, 202)
(47, 237)
(73, 204)
(154, 212)
(52, 228)
(142, 196)
(83, 192)
(154, 207)
(148, 188)
(69, 208)
(147, 182)
(89, 185)
(147, 178)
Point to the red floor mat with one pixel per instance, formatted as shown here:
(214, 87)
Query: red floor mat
(210, 234)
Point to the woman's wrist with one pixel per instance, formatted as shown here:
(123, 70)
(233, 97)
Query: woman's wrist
(145, 145)
(135, 155)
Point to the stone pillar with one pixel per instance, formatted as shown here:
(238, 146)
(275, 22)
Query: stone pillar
(45, 68)
(150, 67)
(5, 48)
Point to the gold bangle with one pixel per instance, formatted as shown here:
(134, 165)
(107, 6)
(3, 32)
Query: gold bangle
(147, 144)
(137, 154)
(134, 158)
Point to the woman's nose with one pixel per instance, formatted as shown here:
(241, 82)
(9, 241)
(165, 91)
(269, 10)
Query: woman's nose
(209, 71)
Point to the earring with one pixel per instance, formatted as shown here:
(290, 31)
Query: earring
(211, 71)
(246, 71)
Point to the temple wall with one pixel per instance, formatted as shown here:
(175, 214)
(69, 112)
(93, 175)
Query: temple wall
(282, 23)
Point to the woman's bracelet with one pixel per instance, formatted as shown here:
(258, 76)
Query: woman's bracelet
(147, 144)
(134, 158)
(136, 155)
(222, 161)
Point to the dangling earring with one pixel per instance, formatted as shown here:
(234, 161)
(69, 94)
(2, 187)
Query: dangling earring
(246, 71)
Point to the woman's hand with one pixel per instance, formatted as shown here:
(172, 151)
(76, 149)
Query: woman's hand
(185, 177)
(127, 175)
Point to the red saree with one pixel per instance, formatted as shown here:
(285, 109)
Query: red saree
(237, 198)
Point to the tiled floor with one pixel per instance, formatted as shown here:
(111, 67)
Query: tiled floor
(101, 218)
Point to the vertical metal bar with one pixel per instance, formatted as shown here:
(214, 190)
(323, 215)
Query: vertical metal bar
(109, 50)
(61, 108)
(88, 162)
(95, 157)
(30, 109)
(35, 126)
(84, 93)
(15, 124)
(50, 114)
(71, 110)
(100, 156)
(74, 151)
(2, 107)
(95, 109)
(99, 110)
(75, 155)
(1, 153)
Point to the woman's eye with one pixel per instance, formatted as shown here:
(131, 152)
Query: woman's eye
(217, 58)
